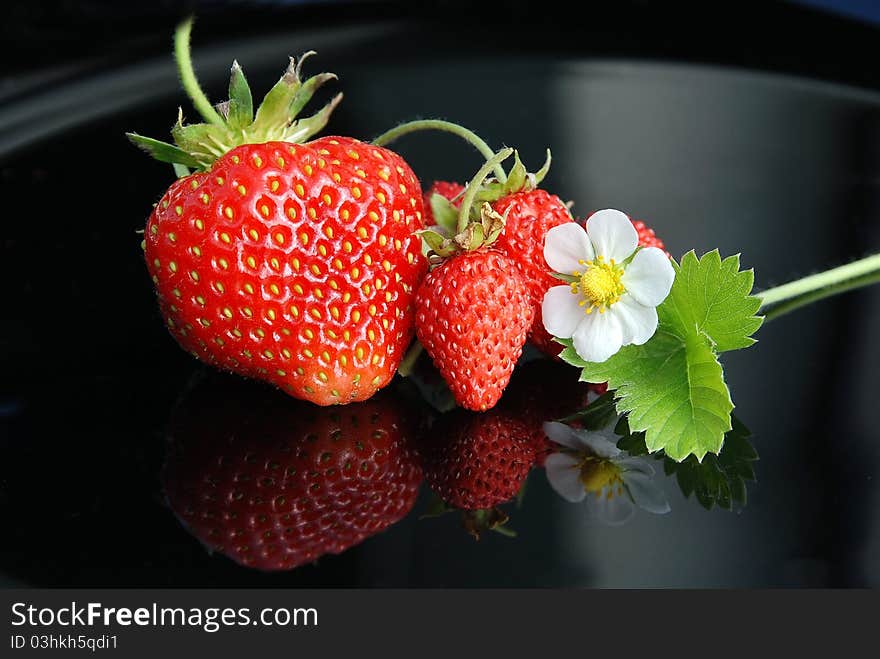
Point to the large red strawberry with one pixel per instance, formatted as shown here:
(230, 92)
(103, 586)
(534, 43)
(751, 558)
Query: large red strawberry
(477, 461)
(274, 483)
(290, 262)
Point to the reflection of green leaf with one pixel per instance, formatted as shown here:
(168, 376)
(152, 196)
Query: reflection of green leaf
(673, 388)
(719, 480)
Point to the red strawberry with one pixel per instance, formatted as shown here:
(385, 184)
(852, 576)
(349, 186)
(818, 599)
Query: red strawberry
(445, 189)
(530, 212)
(292, 263)
(477, 461)
(472, 316)
(273, 483)
(530, 215)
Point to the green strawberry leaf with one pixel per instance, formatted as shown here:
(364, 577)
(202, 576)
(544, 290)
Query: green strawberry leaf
(713, 296)
(672, 388)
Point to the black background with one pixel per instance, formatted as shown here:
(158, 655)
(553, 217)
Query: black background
(723, 124)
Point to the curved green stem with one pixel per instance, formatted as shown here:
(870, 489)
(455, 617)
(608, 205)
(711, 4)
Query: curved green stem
(473, 187)
(814, 296)
(830, 279)
(188, 76)
(447, 127)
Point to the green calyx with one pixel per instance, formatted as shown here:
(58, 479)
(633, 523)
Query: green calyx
(470, 227)
(233, 122)
(475, 224)
(519, 179)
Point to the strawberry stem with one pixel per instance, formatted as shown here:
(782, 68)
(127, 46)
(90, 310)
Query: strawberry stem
(447, 127)
(801, 292)
(470, 193)
(409, 359)
(188, 78)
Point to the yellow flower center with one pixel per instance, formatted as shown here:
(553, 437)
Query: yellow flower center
(597, 474)
(599, 283)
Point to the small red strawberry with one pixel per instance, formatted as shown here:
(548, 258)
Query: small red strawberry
(289, 262)
(472, 316)
(530, 215)
(274, 483)
(473, 310)
(477, 461)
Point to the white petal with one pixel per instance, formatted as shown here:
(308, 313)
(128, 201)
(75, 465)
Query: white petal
(600, 444)
(564, 476)
(637, 322)
(560, 311)
(635, 465)
(612, 234)
(597, 337)
(565, 245)
(563, 435)
(614, 511)
(646, 494)
(649, 277)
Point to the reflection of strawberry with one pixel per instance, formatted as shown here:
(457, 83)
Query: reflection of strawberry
(289, 262)
(477, 461)
(543, 390)
(274, 483)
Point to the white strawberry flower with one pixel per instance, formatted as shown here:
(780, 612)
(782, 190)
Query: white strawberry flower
(590, 468)
(615, 286)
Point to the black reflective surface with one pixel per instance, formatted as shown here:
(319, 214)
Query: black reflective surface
(782, 169)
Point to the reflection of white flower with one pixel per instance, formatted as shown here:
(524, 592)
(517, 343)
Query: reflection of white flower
(621, 285)
(591, 468)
